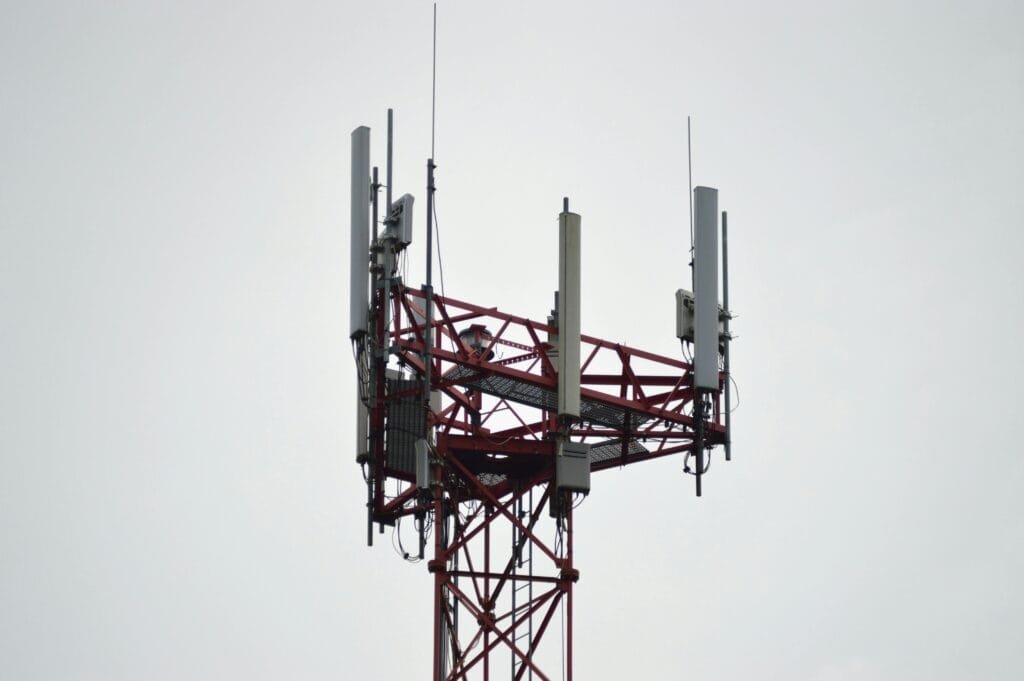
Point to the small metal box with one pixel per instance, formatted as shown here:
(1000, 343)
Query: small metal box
(400, 221)
(684, 315)
(572, 467)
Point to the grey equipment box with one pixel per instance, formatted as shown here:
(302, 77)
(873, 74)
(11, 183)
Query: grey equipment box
(572, 467)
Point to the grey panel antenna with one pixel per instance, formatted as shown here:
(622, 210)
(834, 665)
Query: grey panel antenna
(569, 315)
(705, 287)
(359, 253)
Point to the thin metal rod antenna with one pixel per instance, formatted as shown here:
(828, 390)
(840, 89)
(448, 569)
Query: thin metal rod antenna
(375, 199)
(428, 288)
(430, 223)
(423, 536)
(728, 314)
(440, 629)
(375, 187)
(698, 396)
(689, 166)
(433, 90)
(698, 415)
(391, 128)
(369, 510)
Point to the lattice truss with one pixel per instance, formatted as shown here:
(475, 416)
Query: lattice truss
(501, 560)
(493, 613)
(499, 394)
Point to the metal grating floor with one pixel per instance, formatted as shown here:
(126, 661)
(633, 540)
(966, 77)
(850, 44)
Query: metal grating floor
(612, 449)
(529, 394)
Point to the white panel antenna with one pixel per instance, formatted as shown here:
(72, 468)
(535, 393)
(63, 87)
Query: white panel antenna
(359, 265)
(569, 315)
(705, 285)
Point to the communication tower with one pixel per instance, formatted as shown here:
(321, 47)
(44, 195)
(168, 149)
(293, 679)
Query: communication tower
(482, 428)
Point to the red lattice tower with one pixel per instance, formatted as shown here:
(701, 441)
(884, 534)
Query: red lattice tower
(495, 451)
(465, 431)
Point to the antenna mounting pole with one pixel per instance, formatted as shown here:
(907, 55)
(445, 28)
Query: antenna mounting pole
(726, 337)
(428, 288)
(689, 169)
(433, 88)
(391, 129)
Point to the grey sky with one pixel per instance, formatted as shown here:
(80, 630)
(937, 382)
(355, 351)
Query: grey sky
(178, 495)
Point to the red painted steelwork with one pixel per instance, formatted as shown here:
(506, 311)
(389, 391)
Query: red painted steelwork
(495, 436)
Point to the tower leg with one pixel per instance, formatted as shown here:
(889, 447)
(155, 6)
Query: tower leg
(492, 619)
(438, 567)
(568, 579)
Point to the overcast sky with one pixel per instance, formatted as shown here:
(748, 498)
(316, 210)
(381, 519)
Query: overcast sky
(178, 492)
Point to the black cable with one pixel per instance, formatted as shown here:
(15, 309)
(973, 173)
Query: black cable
(686, 463)
(437, 238)
(687, 355)
(736, 389)
(397, 533)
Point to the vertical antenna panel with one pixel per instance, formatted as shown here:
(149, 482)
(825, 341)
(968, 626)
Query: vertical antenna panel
(705, 285)
(359, 265)
(362, 428)
(569, 315)
(422, 464)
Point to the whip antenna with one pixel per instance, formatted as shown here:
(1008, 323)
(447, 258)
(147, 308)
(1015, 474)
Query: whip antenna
(689, 167)
(433, 89)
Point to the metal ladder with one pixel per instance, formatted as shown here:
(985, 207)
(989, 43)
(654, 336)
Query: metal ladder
(522, 564)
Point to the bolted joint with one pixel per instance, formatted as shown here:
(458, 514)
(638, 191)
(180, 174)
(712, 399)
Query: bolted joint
(570, 574)
(436, 565)
(486, 620)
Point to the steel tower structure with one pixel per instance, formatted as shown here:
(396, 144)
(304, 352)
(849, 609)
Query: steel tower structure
(482, 428)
